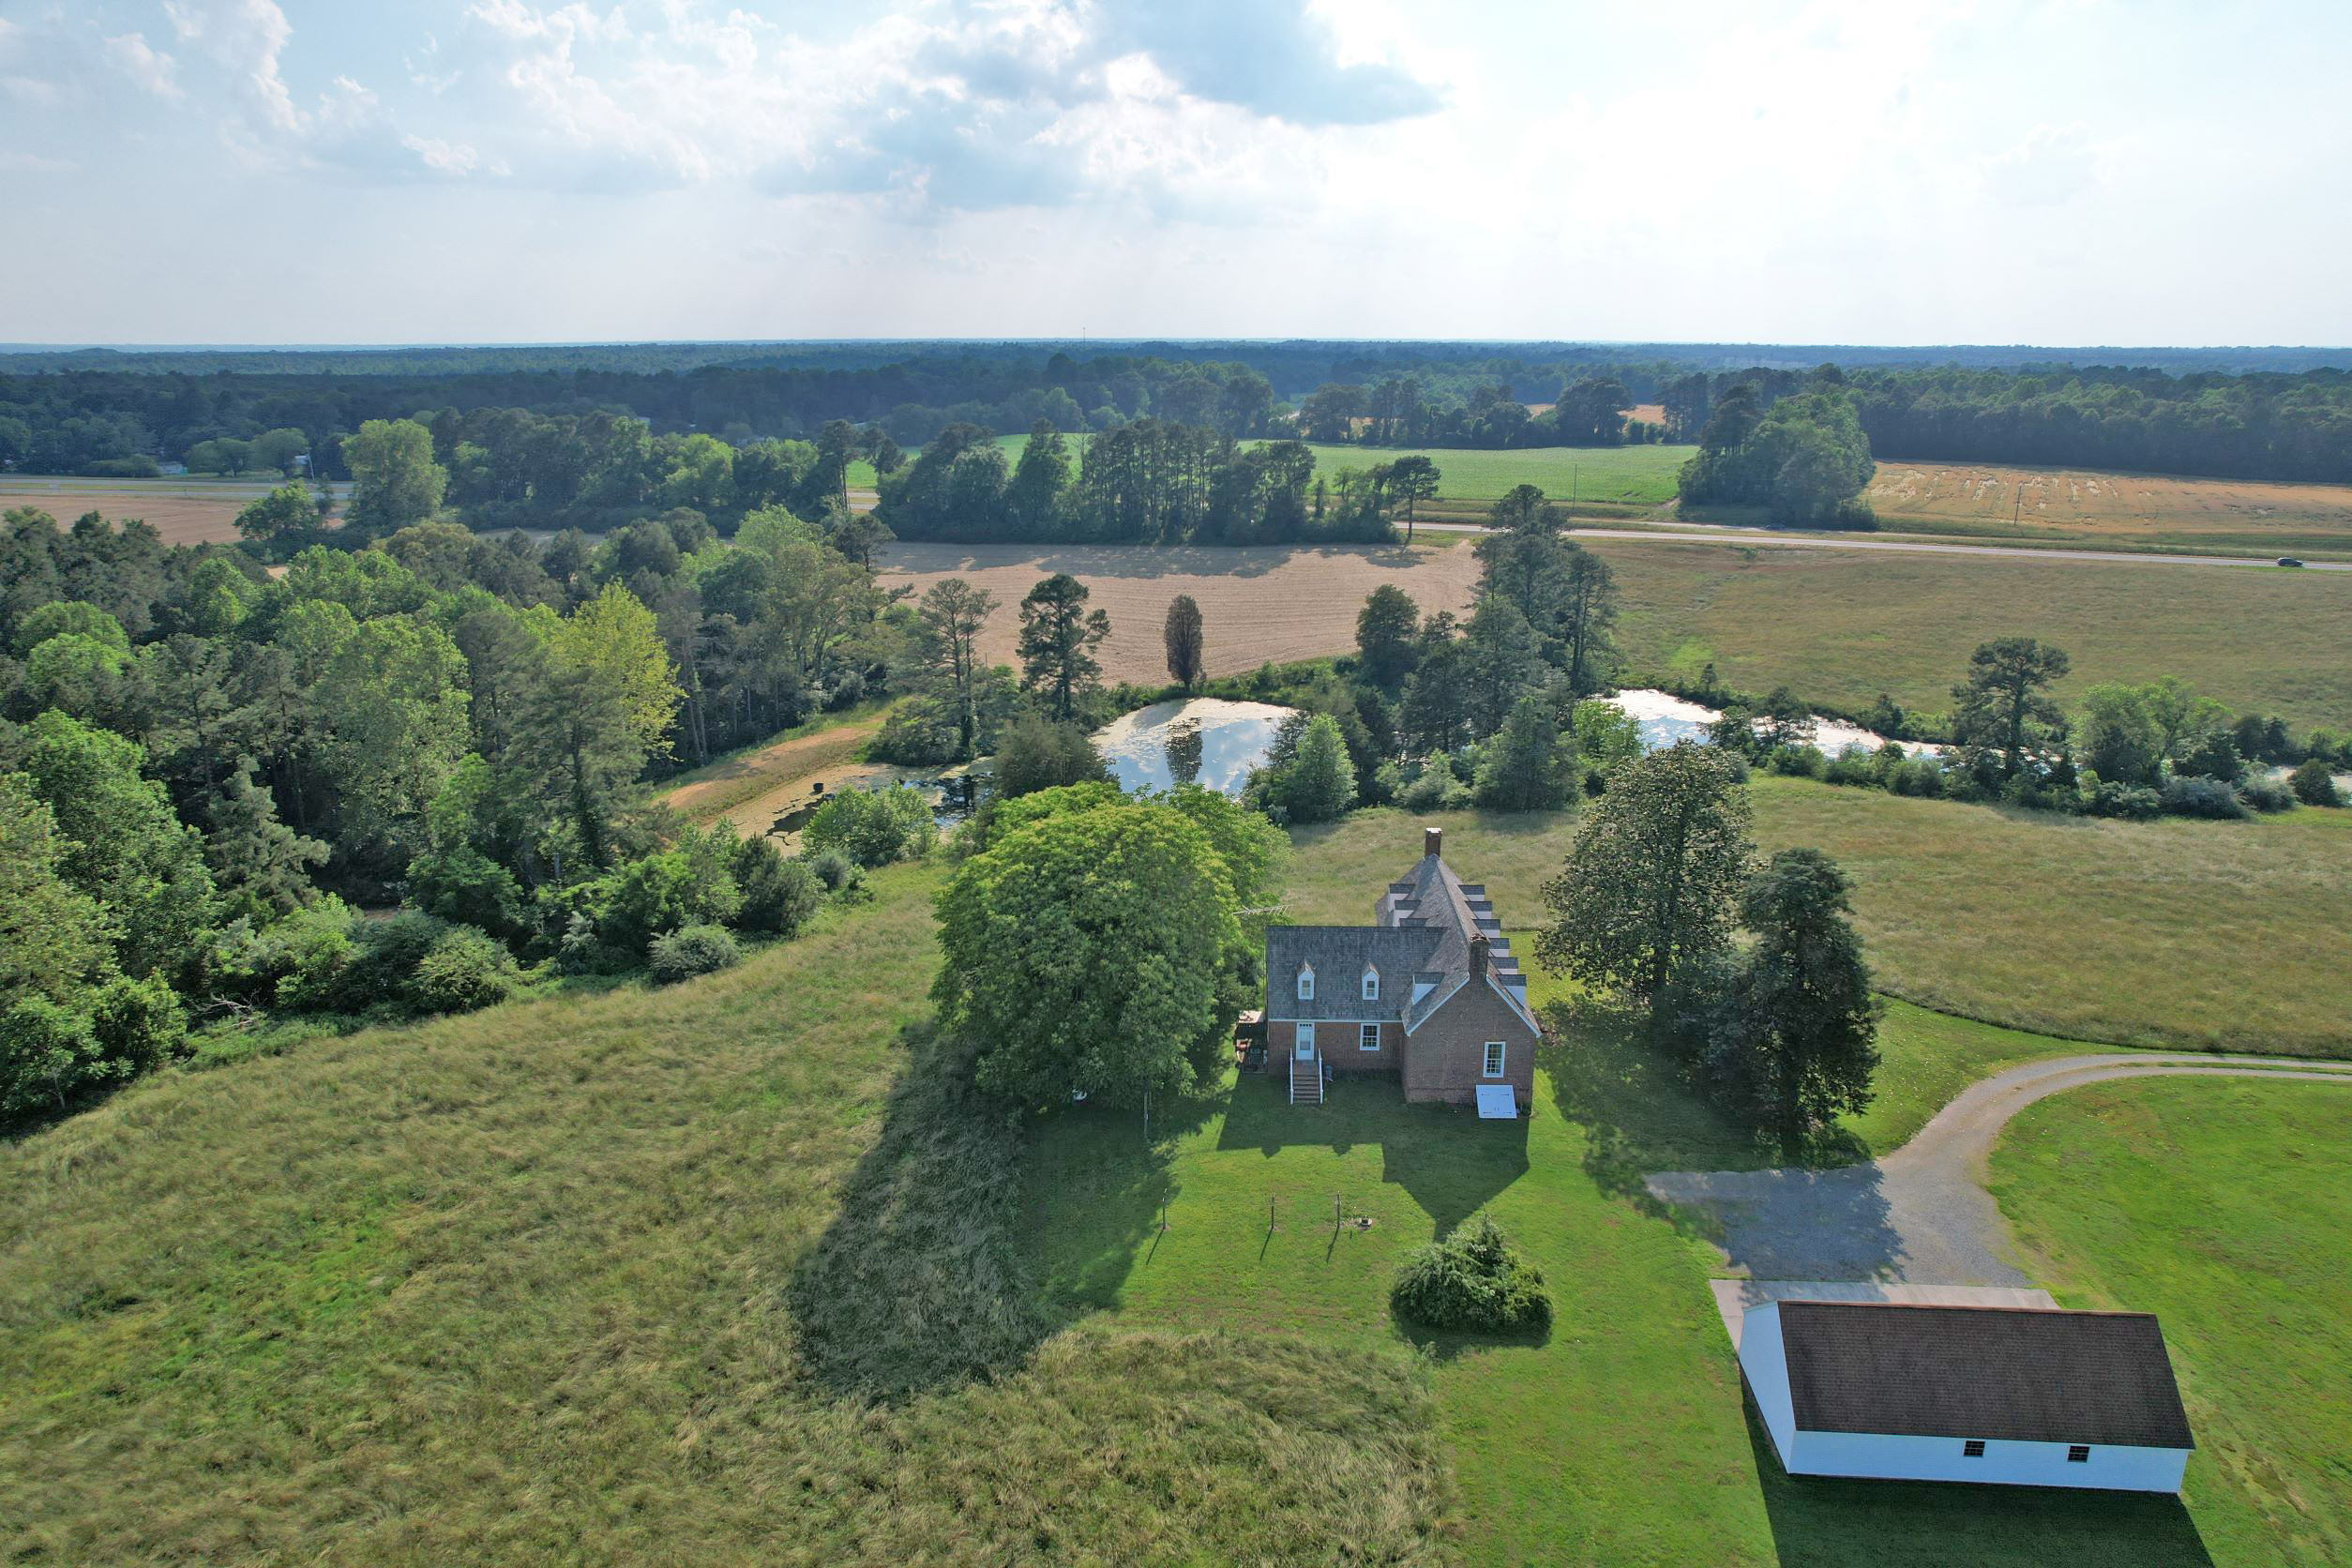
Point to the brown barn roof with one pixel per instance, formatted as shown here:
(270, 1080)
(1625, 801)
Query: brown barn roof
(2006, 1373)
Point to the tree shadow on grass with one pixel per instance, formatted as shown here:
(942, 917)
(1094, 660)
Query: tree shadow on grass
(1449, 1162)
(1096, 1193)
(1609, 1078)
(1819, 1522)
(919, 1282)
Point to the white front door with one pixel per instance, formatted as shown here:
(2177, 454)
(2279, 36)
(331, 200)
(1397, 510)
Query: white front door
(1305, 1050)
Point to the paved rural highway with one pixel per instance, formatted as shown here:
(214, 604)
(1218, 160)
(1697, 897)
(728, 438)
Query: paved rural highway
(1690, 532)
(1921, 1214)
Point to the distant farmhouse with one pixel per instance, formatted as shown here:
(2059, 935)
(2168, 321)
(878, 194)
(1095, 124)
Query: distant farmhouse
(1428, 993)
(2019, 1396)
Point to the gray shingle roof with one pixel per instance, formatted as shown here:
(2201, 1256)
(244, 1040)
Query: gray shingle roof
(1338, 955)
(1425, 921)
(2005, 1373)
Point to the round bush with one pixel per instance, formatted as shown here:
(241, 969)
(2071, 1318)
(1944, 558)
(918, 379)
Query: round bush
(778, 894)
(2314, 784)
(693, 950)
(833, 868)
(1472, 1279)
(465, 968)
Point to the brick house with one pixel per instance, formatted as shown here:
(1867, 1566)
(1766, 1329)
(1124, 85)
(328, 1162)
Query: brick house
(1428, 993)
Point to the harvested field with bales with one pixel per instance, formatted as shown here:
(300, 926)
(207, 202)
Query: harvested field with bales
(2133, 510)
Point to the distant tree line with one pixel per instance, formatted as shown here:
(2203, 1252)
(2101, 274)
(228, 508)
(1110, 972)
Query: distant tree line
(2256, 426)
(1148, 482)
(2248, 414)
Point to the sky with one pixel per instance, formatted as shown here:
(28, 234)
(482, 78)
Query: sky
(2080, 171)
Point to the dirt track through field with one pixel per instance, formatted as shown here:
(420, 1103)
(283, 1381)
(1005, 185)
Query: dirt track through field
(1276, 602)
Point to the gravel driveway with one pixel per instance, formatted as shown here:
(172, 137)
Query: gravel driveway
(1921, 1214)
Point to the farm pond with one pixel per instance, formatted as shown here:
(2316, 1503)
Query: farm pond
(1201, 740)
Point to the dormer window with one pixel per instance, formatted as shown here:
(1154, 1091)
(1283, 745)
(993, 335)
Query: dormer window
(1371, 985)
(1306, 983)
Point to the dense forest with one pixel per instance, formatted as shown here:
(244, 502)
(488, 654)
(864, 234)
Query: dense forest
(208, 771)
(2252, 413)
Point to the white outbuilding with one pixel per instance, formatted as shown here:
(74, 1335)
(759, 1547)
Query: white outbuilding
(2007, 1396)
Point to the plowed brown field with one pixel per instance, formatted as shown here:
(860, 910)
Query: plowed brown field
(1276, 602)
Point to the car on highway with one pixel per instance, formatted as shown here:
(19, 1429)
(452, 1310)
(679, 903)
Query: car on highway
(2289, 561)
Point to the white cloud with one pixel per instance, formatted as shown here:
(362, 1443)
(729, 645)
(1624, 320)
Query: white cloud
(248, 37)
(443, 158)
(149, 67)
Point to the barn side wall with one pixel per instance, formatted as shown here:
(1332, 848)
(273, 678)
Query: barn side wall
(2005, 1463)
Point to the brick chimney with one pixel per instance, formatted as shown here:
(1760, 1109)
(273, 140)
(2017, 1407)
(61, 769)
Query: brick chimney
(1478, 957)
(1429, 839)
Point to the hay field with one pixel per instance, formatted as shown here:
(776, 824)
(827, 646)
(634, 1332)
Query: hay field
(1838, 625)
(185, 511)
(1271, 602)
(2144, 510)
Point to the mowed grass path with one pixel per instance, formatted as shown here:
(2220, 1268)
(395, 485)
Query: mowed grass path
(2168, 933)
(1841, 627)
(2225, 1208)
(511, 1289)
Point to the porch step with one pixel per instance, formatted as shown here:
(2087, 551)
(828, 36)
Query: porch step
(1306, 1083)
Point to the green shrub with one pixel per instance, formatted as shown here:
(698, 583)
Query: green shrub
(690, 951)
(2314, 783)
(418, 963)
(465, 968)
(778, 894)
(1798, 761)
(833, 870)
(1472, 1279)
(2267, 794)
(2114, 799)
(2202, 797)
(1435, 790)
(1037, 754)
(136, 1023)
(47, 1055)
(688, 885)
(873, 827)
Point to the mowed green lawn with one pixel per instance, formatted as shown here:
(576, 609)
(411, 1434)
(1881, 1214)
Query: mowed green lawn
(1841, 627)
(2225, 1208)
(1618, 1437)
(2167, 933)
(1610, 476)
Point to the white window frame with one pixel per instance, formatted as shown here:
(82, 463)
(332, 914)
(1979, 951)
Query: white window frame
(1306, 982)
(1492, 1064)
(1368, 1037)
(1371, 985)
